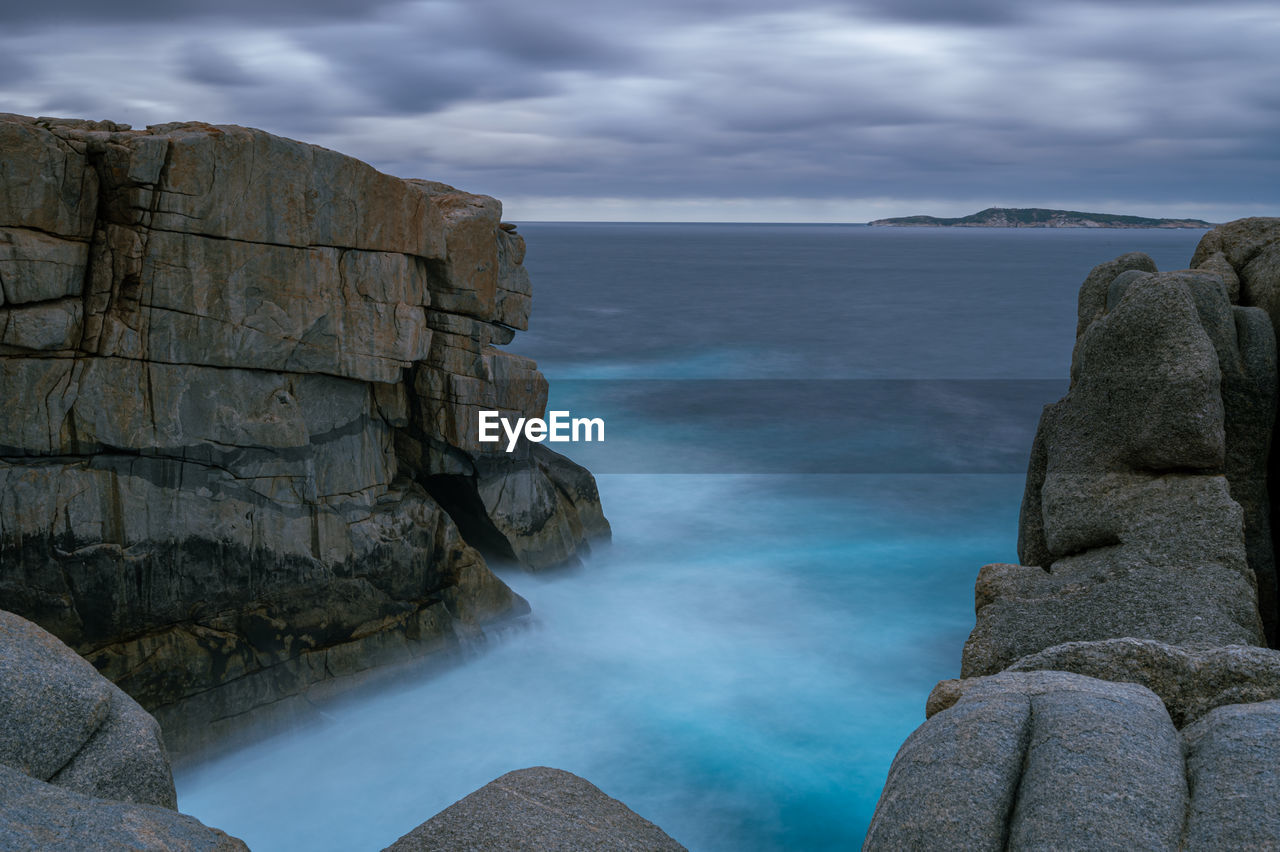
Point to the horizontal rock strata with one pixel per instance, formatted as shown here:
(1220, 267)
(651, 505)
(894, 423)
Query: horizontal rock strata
(1117, 690)
(244, 373)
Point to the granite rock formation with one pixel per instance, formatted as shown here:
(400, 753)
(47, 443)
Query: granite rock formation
(537, 810)
(82, 766)
(243, 374)
(1117, 690)
(1035, 761)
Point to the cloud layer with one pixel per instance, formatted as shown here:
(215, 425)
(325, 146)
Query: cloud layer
(721, 109)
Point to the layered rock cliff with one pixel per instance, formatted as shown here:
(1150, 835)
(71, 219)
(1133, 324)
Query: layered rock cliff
(241, 374)
(1118, 691)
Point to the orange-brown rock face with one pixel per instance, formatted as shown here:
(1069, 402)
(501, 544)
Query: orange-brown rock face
(242, 376)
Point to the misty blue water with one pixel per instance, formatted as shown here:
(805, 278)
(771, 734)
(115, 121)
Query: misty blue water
(815, 437)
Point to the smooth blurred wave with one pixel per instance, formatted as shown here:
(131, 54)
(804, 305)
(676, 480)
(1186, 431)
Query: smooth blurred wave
(816, 436)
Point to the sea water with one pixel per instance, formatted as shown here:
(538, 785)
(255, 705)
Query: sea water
(815, 437)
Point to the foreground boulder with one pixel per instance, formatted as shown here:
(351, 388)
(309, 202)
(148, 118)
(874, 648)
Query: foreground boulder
(245, 456)
(1233, 769)
(1034, 761)
(82, 766)
(537, 810)
(38, 817)
(62, 722)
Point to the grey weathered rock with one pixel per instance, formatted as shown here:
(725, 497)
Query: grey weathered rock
(253, 365)
(1249, 401)
(1033, 549)
(1233, 770)
(1218, 264)
(538, 810)
(1089, 740)
(525, 504)
(38, 817)
(1190, 682)
(1146, 501)
(1034, 761)
(62, 722)
(1093, 293)
(954, 781)
(1238, 242)
(1177, 575)
(1146, 376)
(1246, 254)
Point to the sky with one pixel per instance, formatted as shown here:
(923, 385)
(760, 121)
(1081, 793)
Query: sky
(707, 110)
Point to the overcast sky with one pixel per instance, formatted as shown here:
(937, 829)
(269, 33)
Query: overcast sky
(728, 110)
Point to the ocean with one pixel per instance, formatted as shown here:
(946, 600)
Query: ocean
(815, 436)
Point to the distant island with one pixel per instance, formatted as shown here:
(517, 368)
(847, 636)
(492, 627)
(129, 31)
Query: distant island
(1038, 217)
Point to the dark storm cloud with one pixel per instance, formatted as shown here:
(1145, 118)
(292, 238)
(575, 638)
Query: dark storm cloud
(88, 12)
(523, 33)
(978, 12)
(439, 54)
(202, 62)
(706, 98)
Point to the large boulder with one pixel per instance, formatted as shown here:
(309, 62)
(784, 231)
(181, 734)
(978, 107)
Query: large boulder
(537, 810)
(1034, 761)
(82, 766)
(62, 722)
(38, 817)
(1233, 770)
(1101, 595)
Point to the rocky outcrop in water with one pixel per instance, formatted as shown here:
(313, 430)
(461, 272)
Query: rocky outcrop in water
(243, 376)
(537, 810)
(82, 766)
(1118, 691)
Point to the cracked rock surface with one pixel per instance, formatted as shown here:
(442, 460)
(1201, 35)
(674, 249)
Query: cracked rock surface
(242, 378)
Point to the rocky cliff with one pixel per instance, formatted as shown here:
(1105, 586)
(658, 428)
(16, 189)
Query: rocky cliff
(1118, 691)
(241, 374)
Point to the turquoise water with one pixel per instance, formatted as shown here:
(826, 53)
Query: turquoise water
(815, 437)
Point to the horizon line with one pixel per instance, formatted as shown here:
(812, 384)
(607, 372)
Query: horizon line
(866, 224)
